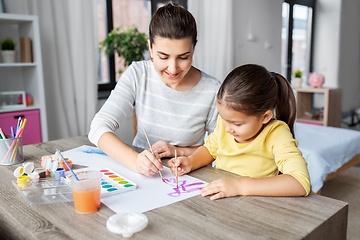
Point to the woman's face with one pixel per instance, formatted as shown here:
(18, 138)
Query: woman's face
(172, 59)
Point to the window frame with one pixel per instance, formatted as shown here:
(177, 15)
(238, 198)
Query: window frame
(104, 89)
(307, 3)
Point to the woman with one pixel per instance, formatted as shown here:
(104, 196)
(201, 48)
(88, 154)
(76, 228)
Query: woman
(174, 102)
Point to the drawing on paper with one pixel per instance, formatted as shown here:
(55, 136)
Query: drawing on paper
(183, 187)
(92, 150)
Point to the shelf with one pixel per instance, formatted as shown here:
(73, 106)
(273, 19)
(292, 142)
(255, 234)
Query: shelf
(309, 120)
(26, 77)
(5, 110)
(331, 105)
(17, 64)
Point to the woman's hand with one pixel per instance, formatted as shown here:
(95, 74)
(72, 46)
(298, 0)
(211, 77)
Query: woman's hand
(147, 164)
(221, 188)
(183, 165)
(164, 149)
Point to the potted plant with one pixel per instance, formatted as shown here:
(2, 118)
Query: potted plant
(130, 44)
(297, 80)
(8, 50)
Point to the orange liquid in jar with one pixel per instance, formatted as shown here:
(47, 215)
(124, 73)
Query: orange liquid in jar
(87, 201)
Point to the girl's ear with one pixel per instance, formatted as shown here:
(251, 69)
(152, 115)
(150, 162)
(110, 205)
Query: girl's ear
(268, 115)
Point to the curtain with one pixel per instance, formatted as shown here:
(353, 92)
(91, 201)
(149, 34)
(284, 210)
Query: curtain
(69, 45)
(214, 50)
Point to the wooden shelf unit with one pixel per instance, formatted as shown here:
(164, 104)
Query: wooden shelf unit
(27, 77)
(331, 106)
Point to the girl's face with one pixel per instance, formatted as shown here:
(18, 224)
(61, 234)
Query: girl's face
(242, 127)
(172, 59)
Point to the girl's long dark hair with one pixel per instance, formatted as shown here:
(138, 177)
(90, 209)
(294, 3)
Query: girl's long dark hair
(253, 90)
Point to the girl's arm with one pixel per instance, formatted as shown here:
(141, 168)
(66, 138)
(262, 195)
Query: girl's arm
(281, 185)
(200, 158)
(144, 163)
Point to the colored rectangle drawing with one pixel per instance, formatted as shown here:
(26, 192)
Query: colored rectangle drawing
(113, 183)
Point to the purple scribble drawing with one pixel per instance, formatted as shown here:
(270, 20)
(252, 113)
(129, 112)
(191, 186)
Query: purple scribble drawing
(183, 187)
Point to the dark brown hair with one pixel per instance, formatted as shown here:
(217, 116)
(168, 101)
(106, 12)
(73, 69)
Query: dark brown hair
(253, 90)
(174, 22)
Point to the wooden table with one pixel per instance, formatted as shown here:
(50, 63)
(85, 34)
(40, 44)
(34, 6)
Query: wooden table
(312, 217)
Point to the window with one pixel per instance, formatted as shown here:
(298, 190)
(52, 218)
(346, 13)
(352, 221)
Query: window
(111, 15)
(296, 37)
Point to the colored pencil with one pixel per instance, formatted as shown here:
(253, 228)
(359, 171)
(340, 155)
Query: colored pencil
(12, 132)
(21, 128)
(152, 151)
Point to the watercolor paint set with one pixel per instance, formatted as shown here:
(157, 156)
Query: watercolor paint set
(113, 183)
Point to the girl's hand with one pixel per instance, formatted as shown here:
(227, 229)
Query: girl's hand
(164, 149)
(147, 164)
(183, 164)
(221, 188)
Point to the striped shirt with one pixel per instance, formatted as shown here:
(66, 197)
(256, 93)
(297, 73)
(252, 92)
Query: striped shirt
(178, 117)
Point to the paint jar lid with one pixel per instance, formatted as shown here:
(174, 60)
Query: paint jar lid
(127, 223)
(54, 165)
(28, 167)
(19, 171)
(34, 176)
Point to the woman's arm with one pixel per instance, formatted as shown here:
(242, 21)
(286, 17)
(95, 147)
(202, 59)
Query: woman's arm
(164, 149)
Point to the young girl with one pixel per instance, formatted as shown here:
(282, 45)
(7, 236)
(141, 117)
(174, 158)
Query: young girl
(174, 102)
(253, 137)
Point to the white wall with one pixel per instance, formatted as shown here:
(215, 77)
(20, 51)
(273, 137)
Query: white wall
(327, 40)
(257, 33)
(336, 48)
(349, 54)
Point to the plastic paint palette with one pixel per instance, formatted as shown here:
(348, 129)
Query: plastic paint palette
(113, 183)
(45, 191)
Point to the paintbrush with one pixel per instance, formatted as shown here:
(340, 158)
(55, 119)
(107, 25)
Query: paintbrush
(177, 181)
(152, 151)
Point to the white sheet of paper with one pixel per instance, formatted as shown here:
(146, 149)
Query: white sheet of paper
(151, 192)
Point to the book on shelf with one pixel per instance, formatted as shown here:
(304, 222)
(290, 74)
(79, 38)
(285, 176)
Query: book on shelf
(26, 50)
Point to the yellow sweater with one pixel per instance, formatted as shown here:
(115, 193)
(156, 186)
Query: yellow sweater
(273, 150)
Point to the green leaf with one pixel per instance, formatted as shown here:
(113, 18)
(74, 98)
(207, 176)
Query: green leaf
(130, 45)
(7, 44)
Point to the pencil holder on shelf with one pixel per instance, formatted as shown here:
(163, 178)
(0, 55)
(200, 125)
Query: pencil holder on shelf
(11, 151)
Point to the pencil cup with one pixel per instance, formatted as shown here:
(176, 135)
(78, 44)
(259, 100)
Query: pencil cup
(11, 151)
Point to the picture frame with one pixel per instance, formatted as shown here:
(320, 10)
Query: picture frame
(11, 99)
